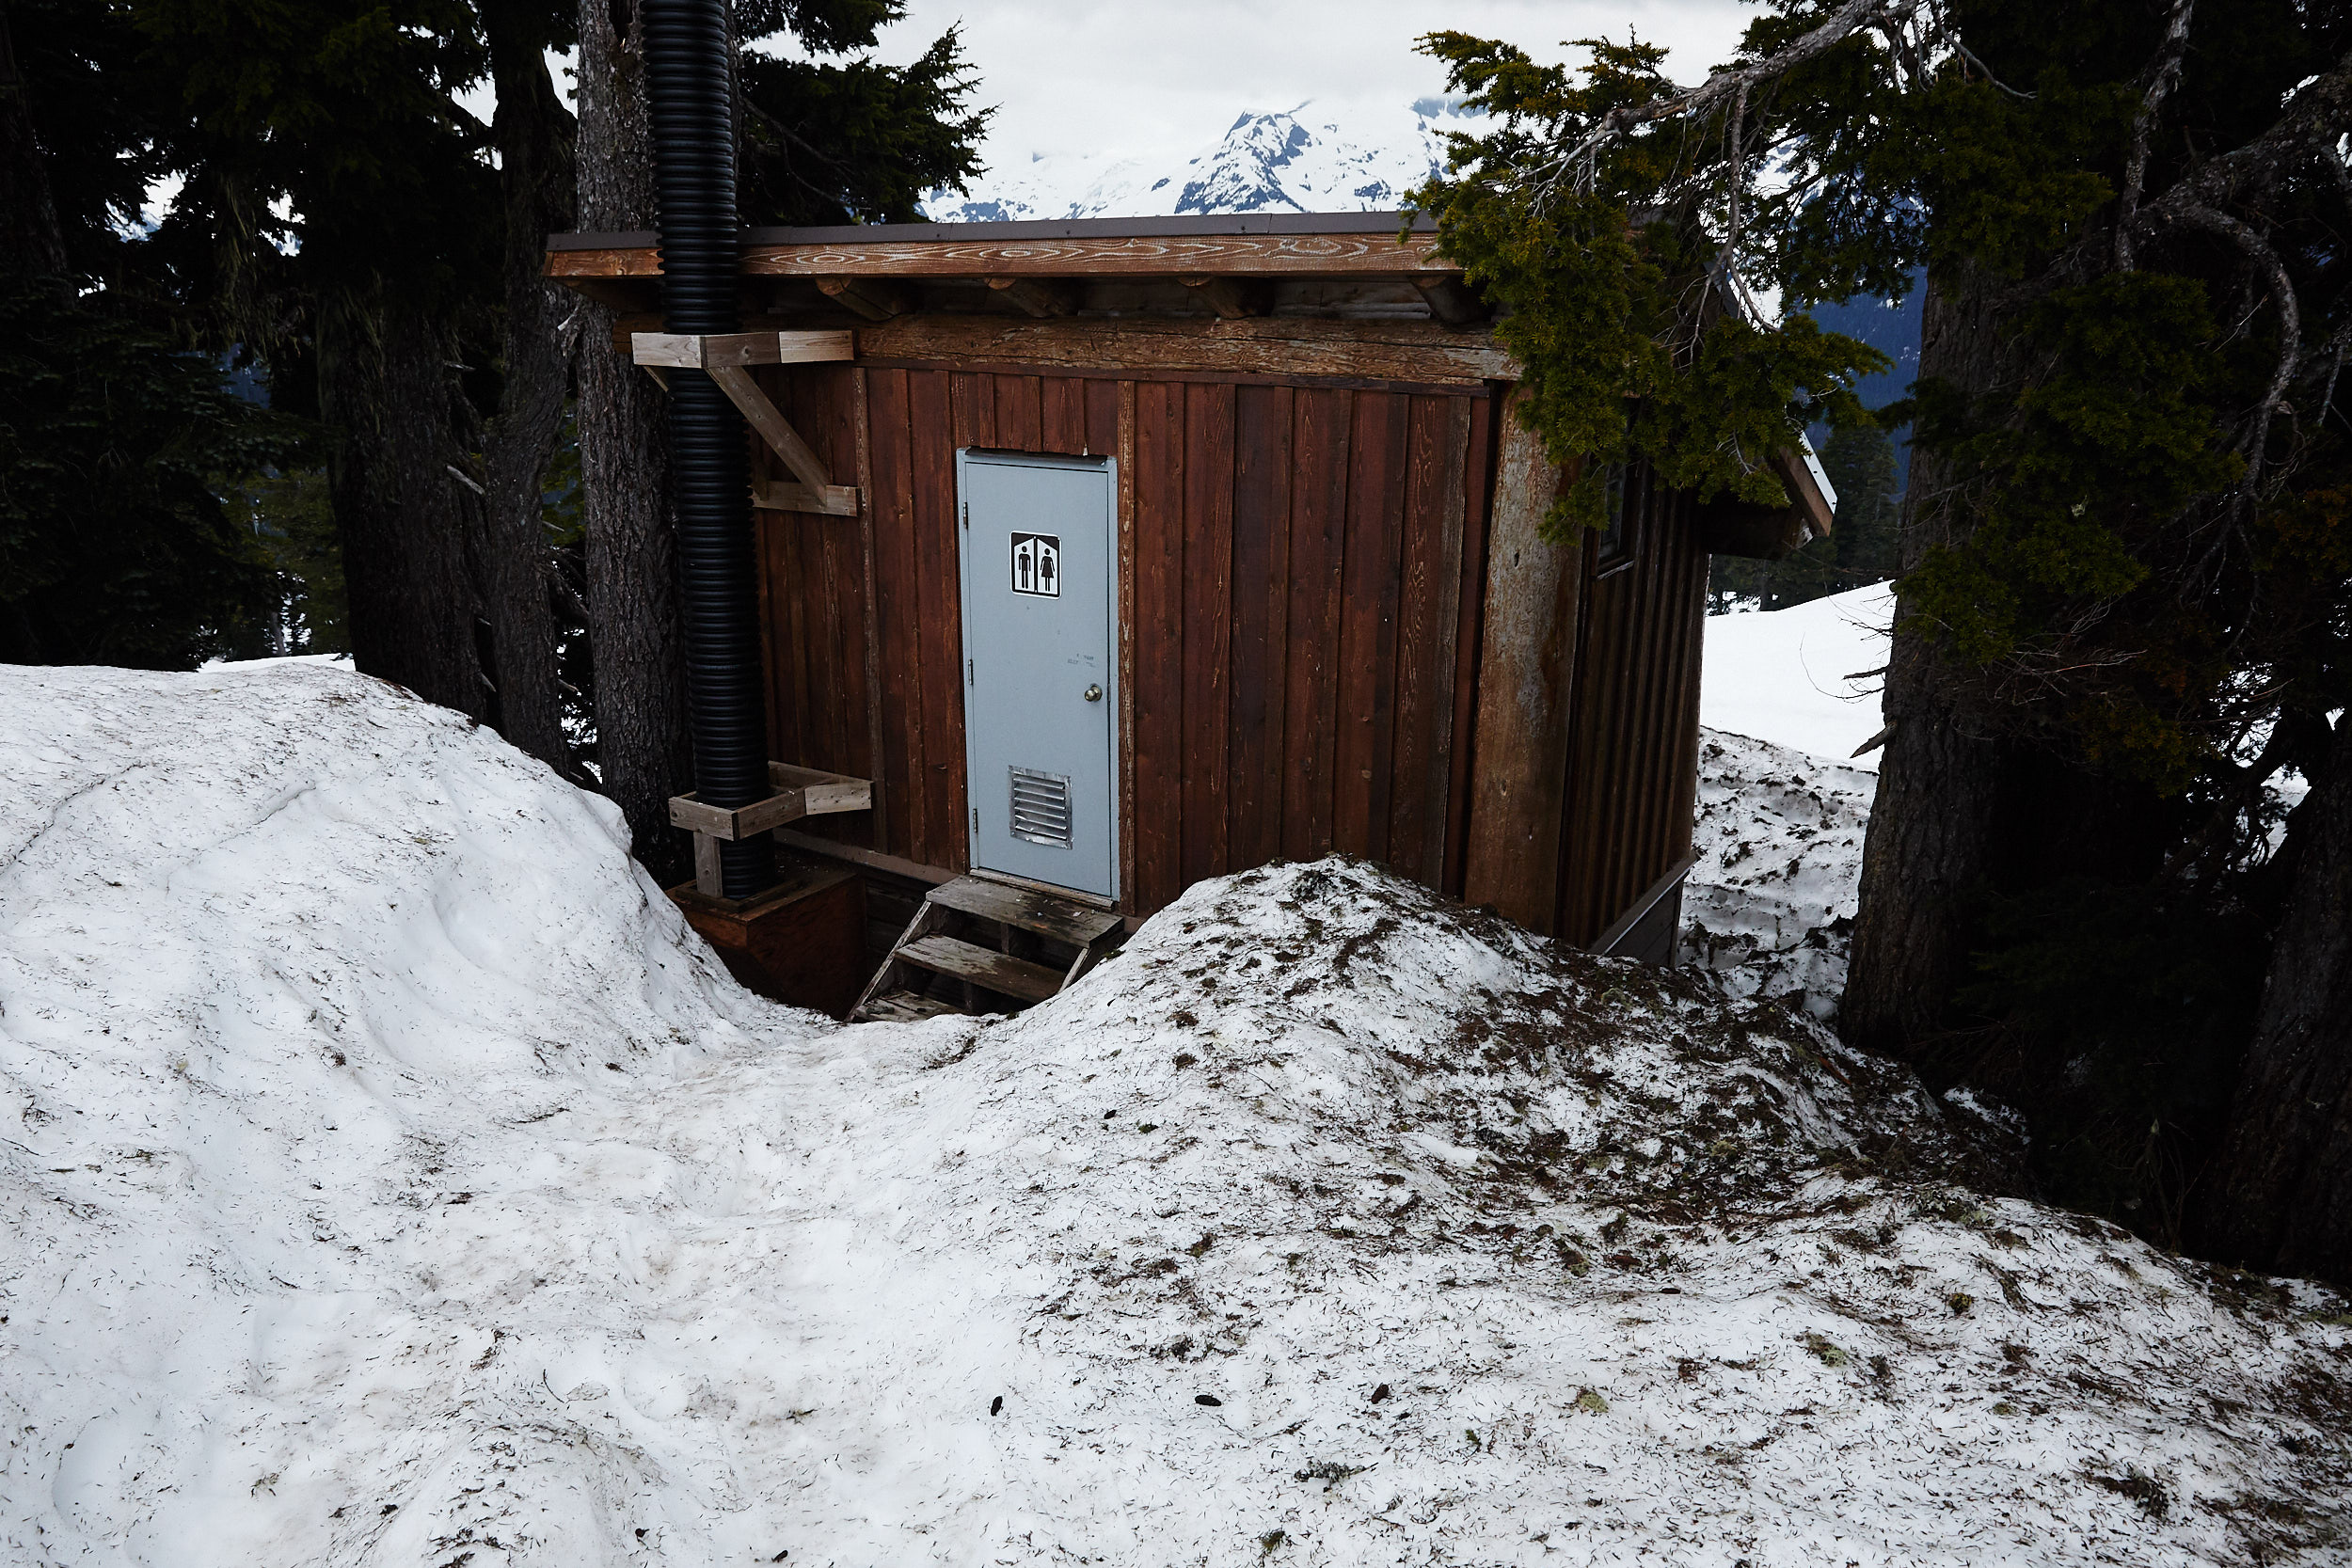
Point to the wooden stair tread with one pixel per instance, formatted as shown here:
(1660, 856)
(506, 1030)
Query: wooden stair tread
(1060, 919)
(999, 971)
(903, 1006)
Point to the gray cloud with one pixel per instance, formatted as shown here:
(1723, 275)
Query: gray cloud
(1159, 81)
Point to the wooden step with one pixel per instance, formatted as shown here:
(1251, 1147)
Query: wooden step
(903, 1006)
(1057, 918)
(999, 971)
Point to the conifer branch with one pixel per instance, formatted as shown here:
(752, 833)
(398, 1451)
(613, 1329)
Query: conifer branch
(1731, 83)
(2168, 74)
(2282, 288)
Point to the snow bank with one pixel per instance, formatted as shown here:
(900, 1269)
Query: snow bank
(1787, 676)
(1770, 904)
(391, 1179)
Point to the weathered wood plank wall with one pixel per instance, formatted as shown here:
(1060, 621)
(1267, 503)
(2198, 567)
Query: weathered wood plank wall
(1633, 749)
(1306, 574)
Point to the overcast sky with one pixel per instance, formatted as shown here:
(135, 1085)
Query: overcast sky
(1159, 79)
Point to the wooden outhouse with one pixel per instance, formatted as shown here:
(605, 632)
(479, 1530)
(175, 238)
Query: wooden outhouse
(1123, 553)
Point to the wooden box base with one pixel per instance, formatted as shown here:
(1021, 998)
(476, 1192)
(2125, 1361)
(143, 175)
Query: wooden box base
(802, 941)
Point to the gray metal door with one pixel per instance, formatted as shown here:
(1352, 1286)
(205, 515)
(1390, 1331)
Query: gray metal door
(1041, 693)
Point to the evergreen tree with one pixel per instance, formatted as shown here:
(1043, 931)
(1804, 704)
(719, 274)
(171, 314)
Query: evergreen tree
(2123, 608)
(124, 536)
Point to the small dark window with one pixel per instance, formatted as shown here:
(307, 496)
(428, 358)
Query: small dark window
(1627, 501)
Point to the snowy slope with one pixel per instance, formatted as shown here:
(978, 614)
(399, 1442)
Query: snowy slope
(1770, 902)
(391, 1179)
(1805, 677)
(1263, 162)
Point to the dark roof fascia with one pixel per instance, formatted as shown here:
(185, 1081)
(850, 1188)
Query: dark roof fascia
(1063, 229)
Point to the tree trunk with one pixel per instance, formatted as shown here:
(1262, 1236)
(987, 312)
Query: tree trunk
(2281, 1195)
(385, 388)
(631, 561)
(1932, 832)
(533, 135)
(34, 244)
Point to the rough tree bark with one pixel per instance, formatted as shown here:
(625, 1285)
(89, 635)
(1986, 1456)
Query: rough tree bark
(32, 245)
(2281, 1199)
(385, 387)
(1931, 842)
(533, 133)
(642, 750)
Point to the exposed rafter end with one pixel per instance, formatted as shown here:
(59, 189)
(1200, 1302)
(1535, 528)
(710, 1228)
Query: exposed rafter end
(1232, 298)
(1450, 300)
(1038, 296)
(877, 299)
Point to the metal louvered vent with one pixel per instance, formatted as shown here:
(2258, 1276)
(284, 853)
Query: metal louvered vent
(1040, 807)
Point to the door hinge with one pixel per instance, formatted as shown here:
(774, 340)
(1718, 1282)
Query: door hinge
(971, 675)
(967, 513)
(976, 819)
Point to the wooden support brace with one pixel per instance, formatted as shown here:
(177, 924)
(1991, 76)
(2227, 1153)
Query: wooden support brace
(877, 299)
(1450, 300)
(709, 350)
(772, 426)
(1233, 298)
(1038, 296)
(799, 792)
(722, 356)
(832, 501)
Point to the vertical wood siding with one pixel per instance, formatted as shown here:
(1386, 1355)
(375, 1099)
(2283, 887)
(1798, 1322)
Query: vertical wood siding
(1303, 585)
(1633, 751)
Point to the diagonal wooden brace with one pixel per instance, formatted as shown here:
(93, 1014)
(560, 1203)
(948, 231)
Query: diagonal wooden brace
(722, 356)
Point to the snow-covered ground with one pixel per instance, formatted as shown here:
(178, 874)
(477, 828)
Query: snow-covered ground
(1786, 696)
(392, 1179)
(1770, 904)
(1805, 677)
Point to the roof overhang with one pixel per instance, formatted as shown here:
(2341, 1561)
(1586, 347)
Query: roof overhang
(1228, 264)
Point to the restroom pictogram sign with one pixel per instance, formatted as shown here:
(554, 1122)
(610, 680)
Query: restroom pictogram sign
(1037, 564)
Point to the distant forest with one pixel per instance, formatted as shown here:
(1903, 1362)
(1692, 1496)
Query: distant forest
(1867, 467)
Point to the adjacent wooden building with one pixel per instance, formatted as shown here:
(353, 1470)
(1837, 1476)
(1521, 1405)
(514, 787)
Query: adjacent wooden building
(1328, 622)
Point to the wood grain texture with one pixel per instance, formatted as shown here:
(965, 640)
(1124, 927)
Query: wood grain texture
(974, 402)
(1526, 673)
(1429, 598)
(1378, 253)
(1401, 355)
(1280, 345)
(1020, 416)
(1261, 635)
(1366, 255)
(1158, 685)
(940, 631)
(1123, 428)
(1207, 566)
(897, 595)
(1468, 645)
(1317, 546)
(1364, 739)
(862, 445)
(1632, 769)
(1062, 415)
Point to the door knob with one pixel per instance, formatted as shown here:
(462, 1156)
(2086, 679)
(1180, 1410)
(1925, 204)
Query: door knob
(1093, 693)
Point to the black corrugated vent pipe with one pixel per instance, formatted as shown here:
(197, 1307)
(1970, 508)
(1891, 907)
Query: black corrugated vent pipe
(689, 78)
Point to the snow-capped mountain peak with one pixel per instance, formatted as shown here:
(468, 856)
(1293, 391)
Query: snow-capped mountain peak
(1285, 161)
